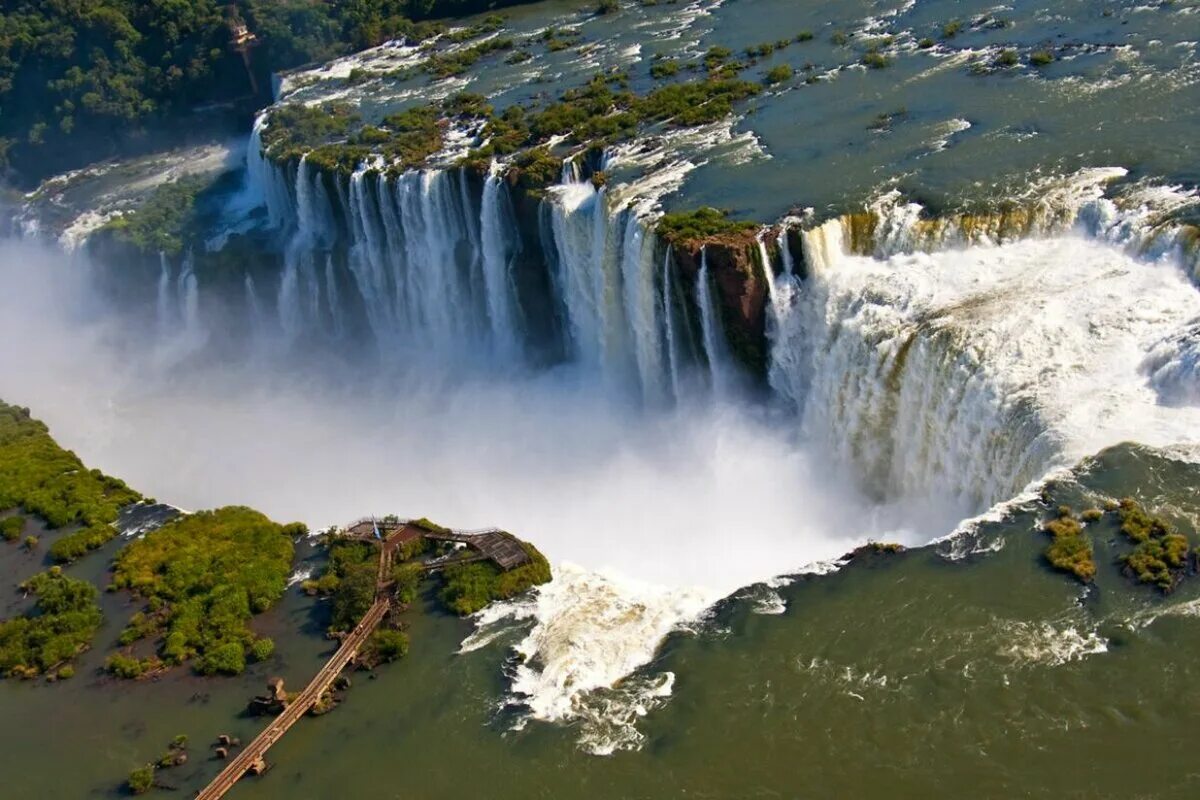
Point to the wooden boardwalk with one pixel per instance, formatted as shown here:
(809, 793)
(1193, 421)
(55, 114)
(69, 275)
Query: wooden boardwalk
(255, 753)
(497, 546)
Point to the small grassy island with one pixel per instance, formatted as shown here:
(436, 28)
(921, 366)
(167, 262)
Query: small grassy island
(1071, 550)
(59, 627)
(203, 577)
(1161, 554)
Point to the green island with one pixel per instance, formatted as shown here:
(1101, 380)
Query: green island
(1161, 554)
(1071, 550)
(59, 626)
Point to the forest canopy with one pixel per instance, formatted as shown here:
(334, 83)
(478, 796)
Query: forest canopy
(84, 79)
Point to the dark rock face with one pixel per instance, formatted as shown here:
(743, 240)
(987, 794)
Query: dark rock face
(740, 288)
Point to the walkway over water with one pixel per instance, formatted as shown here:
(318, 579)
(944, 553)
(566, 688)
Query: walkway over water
(494, 545)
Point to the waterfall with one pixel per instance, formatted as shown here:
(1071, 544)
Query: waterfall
(720, 366)
(789, 314)
(643, 310)
(165, 312)
(495, 223)
(189, 300)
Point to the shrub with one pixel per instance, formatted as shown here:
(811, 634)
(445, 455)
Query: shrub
(608, 7)
(875, 60)
(804, 36)
(141, 780)
(1041, 58)
(1071, 551)
(925, 43)
(262, 649)
(778, 74)
(11, 528)
(664, 68)
(1008, 58)
(951, 29)
(839, 38)
(30, 543)
(123, 666)
(385, 646)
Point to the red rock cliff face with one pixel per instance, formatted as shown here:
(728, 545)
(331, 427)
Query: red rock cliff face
(741, 291)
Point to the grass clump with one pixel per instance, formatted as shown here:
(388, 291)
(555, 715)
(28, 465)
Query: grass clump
(951, 29)
(1041, 58)
(59, 627)
(43, 479)
(141, 780)
(664, 68)
(875, 59)
(1161, 553)
(467, 588)
(204, 576)
(778, 74)
(700, 225)
(11, 527)
(1071, 550)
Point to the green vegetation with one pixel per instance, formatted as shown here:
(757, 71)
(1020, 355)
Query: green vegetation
(925, 43)
(204, 576)
(295, 128)
(79, 543)
(1161, 553)
(160, 223)
(1008, 58)
(445, 65)
(608, 7)
(1041, 58)
(43, 479)
(349, 580)
(875, 60)
(700, 225)
(778, 74)
(385, 646)
(1071, 550)
(804, 36)
(59, 627)
(951, 29)
(467, 588)
(141, 780)
(664, 68)
(81, 80)
(11, 527)
(130, 668)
